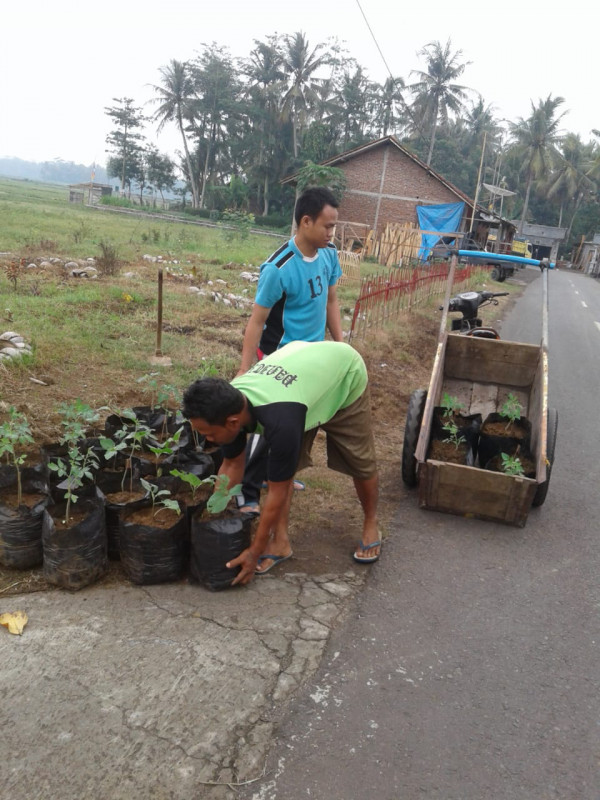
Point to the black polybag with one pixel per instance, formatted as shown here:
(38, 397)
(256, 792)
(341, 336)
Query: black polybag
(214, 542)
(76, 557)
(110, 483)
(21, 529)
(153, 555)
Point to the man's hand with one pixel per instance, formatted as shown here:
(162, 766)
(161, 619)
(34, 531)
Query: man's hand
(248, 562)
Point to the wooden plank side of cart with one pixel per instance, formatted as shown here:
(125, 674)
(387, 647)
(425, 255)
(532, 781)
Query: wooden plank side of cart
(481, 373)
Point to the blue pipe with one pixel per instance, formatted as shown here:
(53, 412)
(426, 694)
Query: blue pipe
(479, 255)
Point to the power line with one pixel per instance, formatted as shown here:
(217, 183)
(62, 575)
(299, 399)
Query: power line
(375, 40)
(395, 82)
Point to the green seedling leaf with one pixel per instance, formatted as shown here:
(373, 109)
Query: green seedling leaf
(511, 409)
(454, 436)
(511, 465)
(451, 405)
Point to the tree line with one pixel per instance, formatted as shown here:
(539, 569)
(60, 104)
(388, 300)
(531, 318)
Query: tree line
(246, 123)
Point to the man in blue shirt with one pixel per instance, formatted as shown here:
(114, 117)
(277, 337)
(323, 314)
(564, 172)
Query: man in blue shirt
(296, 295)
(295, 300)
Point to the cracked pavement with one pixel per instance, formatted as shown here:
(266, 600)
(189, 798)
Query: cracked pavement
(164, 691)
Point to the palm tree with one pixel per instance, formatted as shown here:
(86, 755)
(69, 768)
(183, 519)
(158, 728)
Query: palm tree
(265, 75)
(479, 118)
(217, 107)
(389, 96)
(174, 95)
(300, 64)
(355, 100)
(570, 179)
(535, 141)
(436, 93)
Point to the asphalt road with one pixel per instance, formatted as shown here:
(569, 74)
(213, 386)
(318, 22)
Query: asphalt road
(468, 669)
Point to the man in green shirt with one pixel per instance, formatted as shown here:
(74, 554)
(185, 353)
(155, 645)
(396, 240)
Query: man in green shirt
(287, 397)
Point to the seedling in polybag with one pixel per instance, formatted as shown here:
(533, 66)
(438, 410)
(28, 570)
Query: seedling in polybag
(160, 497)
(511, 409)
(221, 496)
(511, 465)
(14, 435)
(80, 462)
(454, 436)
(194, 482)
(130, 440)
(451, 405)
(165, 449)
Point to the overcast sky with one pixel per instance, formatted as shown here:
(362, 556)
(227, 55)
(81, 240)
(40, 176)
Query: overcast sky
(62, 62)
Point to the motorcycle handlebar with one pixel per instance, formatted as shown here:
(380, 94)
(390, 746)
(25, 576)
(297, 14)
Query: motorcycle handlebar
(455, 302)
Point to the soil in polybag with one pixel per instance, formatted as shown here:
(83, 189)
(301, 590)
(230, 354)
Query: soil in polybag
(214, 542)
(120, 498)
(497, 435)
(75, 553)
(496, 464)
(154, 548)
(21, 525)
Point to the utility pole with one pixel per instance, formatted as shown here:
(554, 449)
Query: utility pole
(478, 182)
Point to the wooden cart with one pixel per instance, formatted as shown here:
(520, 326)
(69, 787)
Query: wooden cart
(481, 373)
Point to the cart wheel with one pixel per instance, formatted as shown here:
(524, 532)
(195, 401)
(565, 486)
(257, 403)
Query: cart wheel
(542, 490)
(414, 416)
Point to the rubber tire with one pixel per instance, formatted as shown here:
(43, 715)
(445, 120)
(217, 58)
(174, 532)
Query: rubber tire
(542, 490)
(495, 274)
(414, 417)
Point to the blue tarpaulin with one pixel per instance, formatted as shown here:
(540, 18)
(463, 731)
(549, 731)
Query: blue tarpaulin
(445, 218)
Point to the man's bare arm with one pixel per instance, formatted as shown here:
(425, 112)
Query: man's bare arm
(252, 335)
(334, 319)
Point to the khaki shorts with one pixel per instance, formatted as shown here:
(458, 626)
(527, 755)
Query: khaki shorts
(350, 445)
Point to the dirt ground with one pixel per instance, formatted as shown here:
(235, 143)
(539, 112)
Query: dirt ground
(326, 517)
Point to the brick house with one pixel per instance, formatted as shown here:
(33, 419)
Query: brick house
(385, 182)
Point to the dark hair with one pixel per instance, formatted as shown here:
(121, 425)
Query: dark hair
(213, 400)
(312, 201)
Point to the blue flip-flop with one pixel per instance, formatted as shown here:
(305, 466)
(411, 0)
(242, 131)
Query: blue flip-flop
(364, 548)
(275, 559)
(298, 485)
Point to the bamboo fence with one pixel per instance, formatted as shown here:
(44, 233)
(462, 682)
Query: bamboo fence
(383, 297)
(398, 243)
(350, 264)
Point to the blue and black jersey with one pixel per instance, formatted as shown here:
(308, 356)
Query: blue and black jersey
(295, 288)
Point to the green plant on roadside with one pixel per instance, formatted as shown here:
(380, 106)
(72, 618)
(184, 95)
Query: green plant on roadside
(108, 261)
(81, 232)
(221, 495)
(454, 437)
(239, 224)
(160, 497)
(511, 410)
(451, 405)
(15, 435)
(511, 465)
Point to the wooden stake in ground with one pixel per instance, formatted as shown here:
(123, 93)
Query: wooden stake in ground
(158, 357)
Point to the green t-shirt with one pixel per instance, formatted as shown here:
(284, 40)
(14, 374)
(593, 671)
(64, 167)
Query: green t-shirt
(322, 376)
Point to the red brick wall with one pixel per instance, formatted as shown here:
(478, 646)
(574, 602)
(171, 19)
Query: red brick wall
(410, 185)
